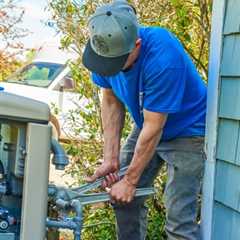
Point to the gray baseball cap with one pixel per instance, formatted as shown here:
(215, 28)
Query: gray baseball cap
(113, 32)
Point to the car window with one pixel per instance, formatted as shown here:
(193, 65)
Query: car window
(39, 74)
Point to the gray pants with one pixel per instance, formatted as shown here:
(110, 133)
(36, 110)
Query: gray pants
(185, 162)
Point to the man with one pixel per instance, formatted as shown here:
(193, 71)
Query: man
(146, 70)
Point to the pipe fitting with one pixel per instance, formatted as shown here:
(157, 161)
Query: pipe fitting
(60, 159)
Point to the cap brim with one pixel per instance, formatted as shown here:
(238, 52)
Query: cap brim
(105, 66)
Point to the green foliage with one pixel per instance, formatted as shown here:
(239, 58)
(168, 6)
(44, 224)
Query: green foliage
(156, 221)
(190, 21)
(99, 223)
(10, 34)
(156, 214)
(8, 64)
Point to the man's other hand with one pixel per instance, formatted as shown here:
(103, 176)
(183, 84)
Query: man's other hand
(122, 192)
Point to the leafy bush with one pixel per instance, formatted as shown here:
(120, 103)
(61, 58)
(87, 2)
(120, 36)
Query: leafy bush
(11, 34)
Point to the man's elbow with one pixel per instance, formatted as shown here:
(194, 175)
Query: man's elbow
(154, 120)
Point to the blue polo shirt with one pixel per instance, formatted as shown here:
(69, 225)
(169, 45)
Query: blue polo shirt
(165, 80)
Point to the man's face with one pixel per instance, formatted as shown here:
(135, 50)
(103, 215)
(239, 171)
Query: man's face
(133, 55)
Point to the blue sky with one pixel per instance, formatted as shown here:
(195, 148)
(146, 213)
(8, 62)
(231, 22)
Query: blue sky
(33, 20)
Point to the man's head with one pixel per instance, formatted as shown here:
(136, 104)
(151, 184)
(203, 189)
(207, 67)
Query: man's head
(114, 42)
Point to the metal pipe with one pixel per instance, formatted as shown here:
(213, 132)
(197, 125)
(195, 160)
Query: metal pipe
(60, 159)
(61, 224)
(78, 219)
(74, 223)
(76, 198)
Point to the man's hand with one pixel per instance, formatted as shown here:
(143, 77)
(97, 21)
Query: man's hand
(122, 192)
(108, 170)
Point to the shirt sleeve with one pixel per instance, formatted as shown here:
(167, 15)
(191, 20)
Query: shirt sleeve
(164, 90)
(100, 81)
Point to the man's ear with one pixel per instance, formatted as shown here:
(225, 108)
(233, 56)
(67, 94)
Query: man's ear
(138, 43)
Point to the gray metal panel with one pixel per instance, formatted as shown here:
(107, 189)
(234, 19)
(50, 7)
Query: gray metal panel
(231, 56)
(19, 107)
(35, 190)
(226, 223)
(7, 236)
(232, 21)
(228, 134)
(230, 98)
(227, 190)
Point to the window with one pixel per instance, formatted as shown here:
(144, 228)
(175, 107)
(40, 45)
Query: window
(39, 74)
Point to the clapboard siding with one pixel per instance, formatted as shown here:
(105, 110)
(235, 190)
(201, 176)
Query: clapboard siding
(230, 98)
(232, 21)
(231, 55)
(226, 224)
(226, 210)
(227, 185)
(228, 134)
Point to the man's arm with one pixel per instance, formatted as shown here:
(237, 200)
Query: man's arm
(113, 115)
(148, 139)
(146, 144)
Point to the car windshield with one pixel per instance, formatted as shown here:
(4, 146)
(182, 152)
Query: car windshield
(39, 74)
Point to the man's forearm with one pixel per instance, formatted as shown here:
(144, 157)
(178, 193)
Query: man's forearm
(146, 144)
(113, 115)
(144, 150)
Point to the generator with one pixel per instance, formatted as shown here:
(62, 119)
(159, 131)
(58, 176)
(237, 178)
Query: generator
(26, 147)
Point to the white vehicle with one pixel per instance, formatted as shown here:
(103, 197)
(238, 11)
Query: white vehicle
(48, 79)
